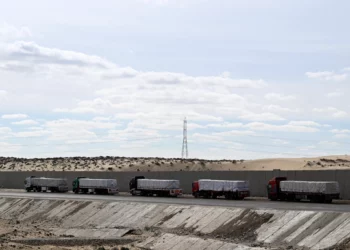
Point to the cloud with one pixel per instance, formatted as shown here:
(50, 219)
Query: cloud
(334, 94)
(5, 130)
(31, 51)
(35, 133)
(261, 117)
(70, 124)
(289, 127)
(334, 112)
(3, 94)
(328, 143)
(97, 105)
(25, 122)
(279, 97)
(235, 133)
(14, 116)
(326, 76)
(226, 125)
(305, 123)
(280, 142)
(179, 78)
(9, 32)
(126, 72)
(279, 109)
(340, 131)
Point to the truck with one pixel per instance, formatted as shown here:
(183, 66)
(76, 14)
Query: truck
(139, 185)
(43, 184)
(98, 186)
(230, 189)
(279, 188)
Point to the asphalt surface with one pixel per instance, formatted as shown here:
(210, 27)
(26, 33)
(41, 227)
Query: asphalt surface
(253, 203)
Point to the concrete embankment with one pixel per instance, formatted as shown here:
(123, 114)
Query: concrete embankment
(162, 226)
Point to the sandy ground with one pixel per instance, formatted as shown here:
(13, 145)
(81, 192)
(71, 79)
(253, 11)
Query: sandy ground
(169, 164)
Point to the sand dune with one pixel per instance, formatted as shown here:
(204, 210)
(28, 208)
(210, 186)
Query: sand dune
(169, 164)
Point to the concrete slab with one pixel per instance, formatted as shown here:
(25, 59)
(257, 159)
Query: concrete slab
(313, 239)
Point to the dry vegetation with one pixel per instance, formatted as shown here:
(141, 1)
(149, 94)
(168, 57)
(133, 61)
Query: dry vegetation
(115, 164)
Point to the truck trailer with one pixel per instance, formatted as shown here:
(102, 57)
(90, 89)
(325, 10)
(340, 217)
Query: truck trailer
(98, 186)
(139, 185)
(230, 189)
(43, 184)
(279, 188)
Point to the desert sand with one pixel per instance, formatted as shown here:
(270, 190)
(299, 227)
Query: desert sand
(117, 164)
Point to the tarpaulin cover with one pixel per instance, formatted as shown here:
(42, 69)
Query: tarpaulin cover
(157, 184)
(98, 183)
(324, 187)
(223, 185)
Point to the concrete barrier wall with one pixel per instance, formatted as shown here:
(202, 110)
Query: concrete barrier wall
(258, 179)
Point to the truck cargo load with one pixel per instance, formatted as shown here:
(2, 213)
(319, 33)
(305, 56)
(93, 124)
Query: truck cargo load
(279, 188)
(139, 185)
(157, 184)
(98, 186)
(44, 184)
(324, 187)
(223, 185)
(231, 189)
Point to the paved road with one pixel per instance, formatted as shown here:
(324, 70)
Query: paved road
(256, 203)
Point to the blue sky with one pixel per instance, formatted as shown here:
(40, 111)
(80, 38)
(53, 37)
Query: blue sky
(255, 79)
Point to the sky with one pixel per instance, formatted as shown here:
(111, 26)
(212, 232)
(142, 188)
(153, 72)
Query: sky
(254, 79)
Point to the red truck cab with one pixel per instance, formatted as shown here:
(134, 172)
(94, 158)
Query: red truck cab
(273, 188)
(195, 188)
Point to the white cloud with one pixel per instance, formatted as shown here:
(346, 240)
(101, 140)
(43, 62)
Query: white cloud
(79, 124)
(279, 97)
(179, 78)
(326, 76)
(307, 148)
(334, 94)
(30, 51)
(35, 133)
(3, 94)
(279, 109)
(280, 142)
(25, 122)
(9, 32)
(117, 73)
(14, 116)
(261, 117)
(328, 143)
(5, 130)
(281, 128)
(340, 131)
(226, 125)
(334, 112)
(235, 133)
(305, 123)
(8, 149)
